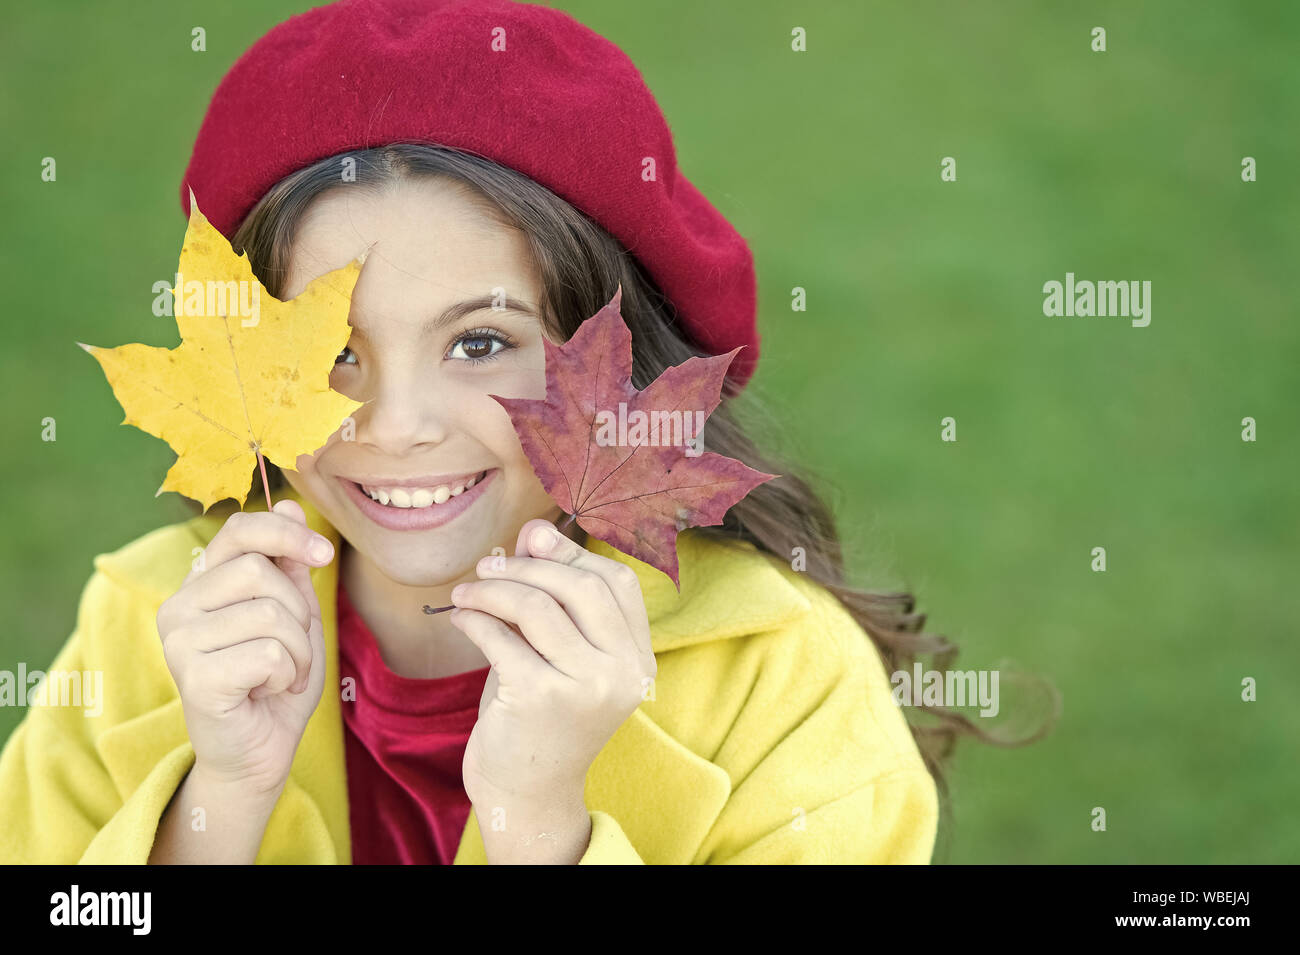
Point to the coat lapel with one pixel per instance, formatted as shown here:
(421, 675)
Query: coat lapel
(132, 748)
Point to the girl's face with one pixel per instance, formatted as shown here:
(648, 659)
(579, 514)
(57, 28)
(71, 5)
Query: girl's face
(427, 349)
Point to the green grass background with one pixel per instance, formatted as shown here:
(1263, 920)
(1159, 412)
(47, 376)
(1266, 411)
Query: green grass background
(924, 300)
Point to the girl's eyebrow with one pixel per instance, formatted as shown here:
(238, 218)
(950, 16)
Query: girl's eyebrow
(454, 313)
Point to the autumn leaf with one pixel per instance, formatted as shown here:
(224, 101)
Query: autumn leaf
(250, 378)
(627, 464)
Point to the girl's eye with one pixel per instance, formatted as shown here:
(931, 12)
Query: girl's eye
(346, 351)
(479, 344)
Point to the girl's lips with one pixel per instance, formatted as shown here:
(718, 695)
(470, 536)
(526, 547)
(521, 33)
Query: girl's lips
(415, 518)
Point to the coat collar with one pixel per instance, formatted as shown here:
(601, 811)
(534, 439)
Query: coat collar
(726, 591)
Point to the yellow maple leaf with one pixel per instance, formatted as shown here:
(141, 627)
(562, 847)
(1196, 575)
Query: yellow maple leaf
(251, 374)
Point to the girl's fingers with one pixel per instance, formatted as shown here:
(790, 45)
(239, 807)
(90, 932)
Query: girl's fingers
(544, 624)
(248, 577)
(539, 538)
(263, 665)
(253, 621)
(583, 595)
(280, 533)
(299, 576)
(297, 571)
(511, 656)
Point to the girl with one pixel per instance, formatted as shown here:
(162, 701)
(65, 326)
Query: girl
(282, 697)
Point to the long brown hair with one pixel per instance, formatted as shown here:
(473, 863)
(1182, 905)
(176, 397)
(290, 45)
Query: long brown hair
(581, 265)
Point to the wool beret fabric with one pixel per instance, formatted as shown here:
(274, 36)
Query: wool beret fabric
(553, 100)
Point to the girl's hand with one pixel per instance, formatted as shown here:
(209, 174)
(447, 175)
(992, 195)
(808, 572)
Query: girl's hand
(244, 643)
(569, 643)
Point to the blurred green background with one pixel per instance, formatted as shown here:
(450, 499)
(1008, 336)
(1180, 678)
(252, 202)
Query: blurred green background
(924, 301)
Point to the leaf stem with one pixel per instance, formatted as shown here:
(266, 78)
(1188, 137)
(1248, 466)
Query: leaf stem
(261, 463)
(567, 521)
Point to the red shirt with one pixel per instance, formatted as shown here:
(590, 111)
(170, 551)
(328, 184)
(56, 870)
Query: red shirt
(404, 741)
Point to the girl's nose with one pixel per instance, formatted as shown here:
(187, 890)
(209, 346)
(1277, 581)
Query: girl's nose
(399, 417)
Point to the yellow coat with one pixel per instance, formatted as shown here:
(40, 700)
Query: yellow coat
(772, 736)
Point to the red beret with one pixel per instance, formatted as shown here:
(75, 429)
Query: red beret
(560, 104)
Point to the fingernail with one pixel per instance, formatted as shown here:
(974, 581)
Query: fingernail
(321, 550)
(458, 592)
(542, 539)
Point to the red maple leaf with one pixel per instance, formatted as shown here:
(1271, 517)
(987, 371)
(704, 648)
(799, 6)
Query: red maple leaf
(629, 465)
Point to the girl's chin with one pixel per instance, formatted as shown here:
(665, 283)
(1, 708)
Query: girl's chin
(430, 558)
(422, 567)
(426, 582)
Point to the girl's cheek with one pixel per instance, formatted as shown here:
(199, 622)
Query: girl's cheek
(519, 374)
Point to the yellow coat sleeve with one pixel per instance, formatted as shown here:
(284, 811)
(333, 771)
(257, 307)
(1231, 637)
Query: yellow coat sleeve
(61, 804)
(609, 845)
(824, 768)
(891, 820)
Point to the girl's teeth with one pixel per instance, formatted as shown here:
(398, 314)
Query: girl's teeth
(421, 497)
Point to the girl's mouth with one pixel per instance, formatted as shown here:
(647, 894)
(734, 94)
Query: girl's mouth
(417, 509)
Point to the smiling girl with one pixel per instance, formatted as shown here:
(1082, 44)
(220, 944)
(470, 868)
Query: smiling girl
(504, 170)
